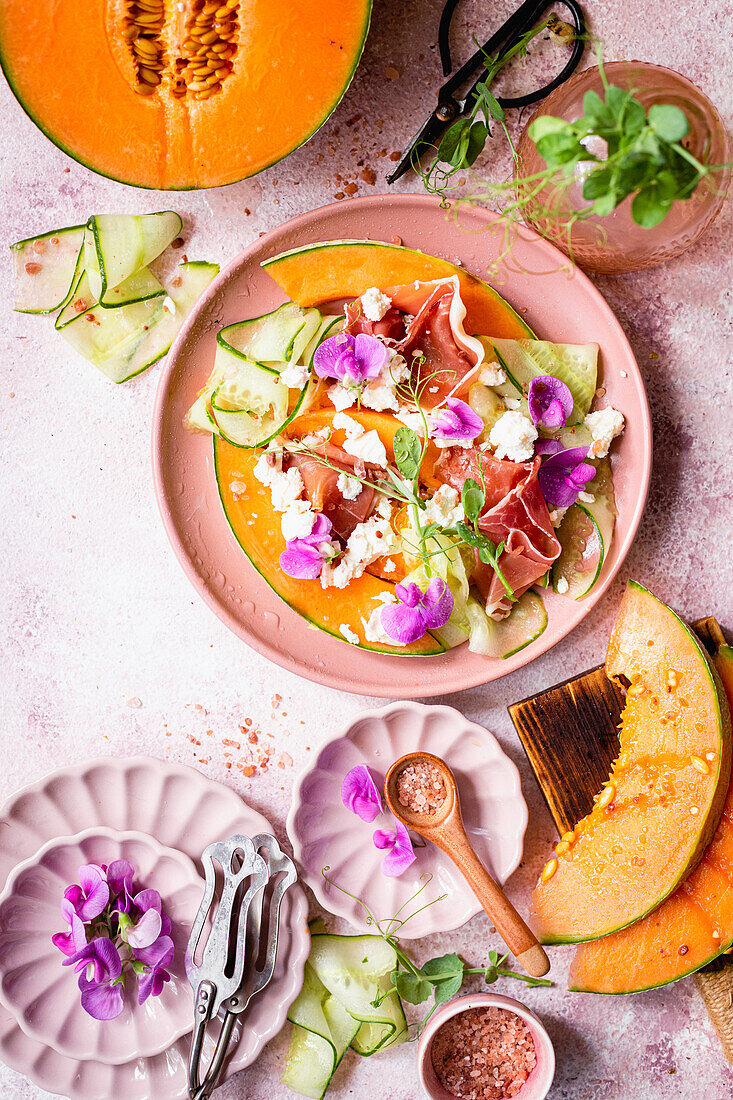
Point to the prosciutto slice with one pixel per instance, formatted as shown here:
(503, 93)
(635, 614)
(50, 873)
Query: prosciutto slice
(515, 513)
(321, 487)
(433, 338)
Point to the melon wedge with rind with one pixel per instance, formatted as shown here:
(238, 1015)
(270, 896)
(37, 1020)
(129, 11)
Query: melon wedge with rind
(654, 819)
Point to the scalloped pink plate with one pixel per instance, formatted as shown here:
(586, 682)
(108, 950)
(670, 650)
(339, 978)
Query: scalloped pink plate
(556, 306)
(324, 833)
(186, 811)
(43, 995)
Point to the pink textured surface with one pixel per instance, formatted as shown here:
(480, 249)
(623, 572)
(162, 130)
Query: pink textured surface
(98, 615)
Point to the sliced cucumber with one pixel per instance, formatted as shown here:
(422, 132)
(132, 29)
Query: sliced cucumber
(488, 404)
(118, 245)
(125, 341)
(328, 326)
(574, 364)
(140, 287)
(279, 337)
(585, 536)
(356, 970)
(526, 621)
(322, 1032)
(45, 269)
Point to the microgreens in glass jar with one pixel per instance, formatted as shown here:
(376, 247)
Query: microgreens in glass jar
(114, 933)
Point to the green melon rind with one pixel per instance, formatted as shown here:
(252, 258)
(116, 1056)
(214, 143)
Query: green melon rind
(274, 260)
(193, 187)
(300, 614)
(724, 764)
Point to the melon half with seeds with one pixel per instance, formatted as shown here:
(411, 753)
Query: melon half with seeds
(177, 94)
(658, 812)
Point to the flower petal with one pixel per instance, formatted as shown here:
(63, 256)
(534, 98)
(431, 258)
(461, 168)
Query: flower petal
(550, 401)
(400, 855)
(403, 623)
(371, 355)
(102, 1000)
(547, 446)
(360, 794)
(119, 877)
(437, 604)
(383, 838)
(456, 420)
(563, 474)
(302, 561)
(148, 899)
(146, 931)
(330, 357)
(95, 890)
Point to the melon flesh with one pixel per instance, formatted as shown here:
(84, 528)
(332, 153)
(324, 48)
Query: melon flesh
(285, 67)
(653, 821)
(687, 931)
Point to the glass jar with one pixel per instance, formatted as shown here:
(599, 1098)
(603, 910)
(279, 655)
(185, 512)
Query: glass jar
(616, 243)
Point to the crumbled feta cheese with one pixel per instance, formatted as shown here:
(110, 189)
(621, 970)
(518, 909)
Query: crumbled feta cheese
(295, 375)
(624, 374)
(562, 585)
(512, 403)
(368, 447)
(444, 507)
(491, 374)
(341, 397)
(604, 426)
(397, 368)
(314, 440)
(587, 498)
(373, 629)
(169, 305)
(384, 507)
(380, 396)
(237, 489)
(297, 522)
(349, 634)
(513, 436)
(349, 487)
(389, 566)
(441, 441)
(556, 516)
(374, 304)
(285, 488)
(343, 423)
(367, 542)
(264, 470)
(412, 418)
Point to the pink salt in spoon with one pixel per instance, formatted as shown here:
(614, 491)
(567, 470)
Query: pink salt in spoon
(444, 827)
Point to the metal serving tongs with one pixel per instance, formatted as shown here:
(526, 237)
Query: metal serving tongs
(457, 96)
(238, 956)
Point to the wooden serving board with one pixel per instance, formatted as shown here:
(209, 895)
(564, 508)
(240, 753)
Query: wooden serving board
(570, 735)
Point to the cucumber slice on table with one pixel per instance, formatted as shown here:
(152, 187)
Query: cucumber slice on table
(45, 268)
(140, 287)
(322, 1033)
(574, 364)
(118, 245)
(125, 341)
(526, 621)
(355, 969)
(585, 536)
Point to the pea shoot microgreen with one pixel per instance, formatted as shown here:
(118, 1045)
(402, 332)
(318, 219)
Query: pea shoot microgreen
(441, 977)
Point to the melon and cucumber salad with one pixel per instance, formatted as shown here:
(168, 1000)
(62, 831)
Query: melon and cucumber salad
(405, 464)
(109, 304)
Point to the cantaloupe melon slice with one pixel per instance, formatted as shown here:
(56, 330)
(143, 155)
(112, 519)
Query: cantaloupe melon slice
(332, 270)
(659, 810)
(687, 931)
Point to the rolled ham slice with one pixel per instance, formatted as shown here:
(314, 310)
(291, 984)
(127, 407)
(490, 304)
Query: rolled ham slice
(321, 487)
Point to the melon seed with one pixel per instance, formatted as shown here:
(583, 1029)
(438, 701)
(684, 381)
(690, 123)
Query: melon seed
(561, 847)
(549, 870)
(606, 796)
(699, 763)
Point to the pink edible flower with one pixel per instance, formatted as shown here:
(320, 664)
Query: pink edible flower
(155, 959)
(360, 794)
(102, 994)
(417, 611)
(68, 943)
(91, 895)
(564, 474)
(550, 401)
(304, 558)
(455, 422)
(399, 851)
(350, 359)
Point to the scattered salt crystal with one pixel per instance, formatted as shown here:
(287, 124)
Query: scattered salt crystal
(134, 702)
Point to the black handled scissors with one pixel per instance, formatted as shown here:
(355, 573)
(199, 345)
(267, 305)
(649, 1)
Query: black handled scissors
(452, 104)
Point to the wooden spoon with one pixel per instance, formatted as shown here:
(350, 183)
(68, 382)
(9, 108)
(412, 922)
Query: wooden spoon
(445, 828)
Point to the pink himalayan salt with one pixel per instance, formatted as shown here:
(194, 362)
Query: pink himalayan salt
(483, 1054)
(421, 788)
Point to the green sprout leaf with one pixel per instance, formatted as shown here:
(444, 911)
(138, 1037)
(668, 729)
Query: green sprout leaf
(407, 450)
(411, 987)
(473, 499)
(651, 205)
(492, 105)
(477, 136)
(668, 122)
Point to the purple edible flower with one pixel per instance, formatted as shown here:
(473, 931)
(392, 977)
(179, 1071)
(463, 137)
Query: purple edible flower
(550, 402)
(156, 958)
(102, 994)
(69, 943)
(417, 611)
(350, 359)
(455, 421)
(91, 896)
(564, 474)
(360, 794)
(304, 558)
(399, 849)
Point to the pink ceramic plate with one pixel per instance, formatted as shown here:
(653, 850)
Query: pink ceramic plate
(326, 834)
(183, 810)
(556, 306)
(44, 996)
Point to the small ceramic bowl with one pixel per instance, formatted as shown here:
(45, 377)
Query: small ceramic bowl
(539, 1081)
(43, 995)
